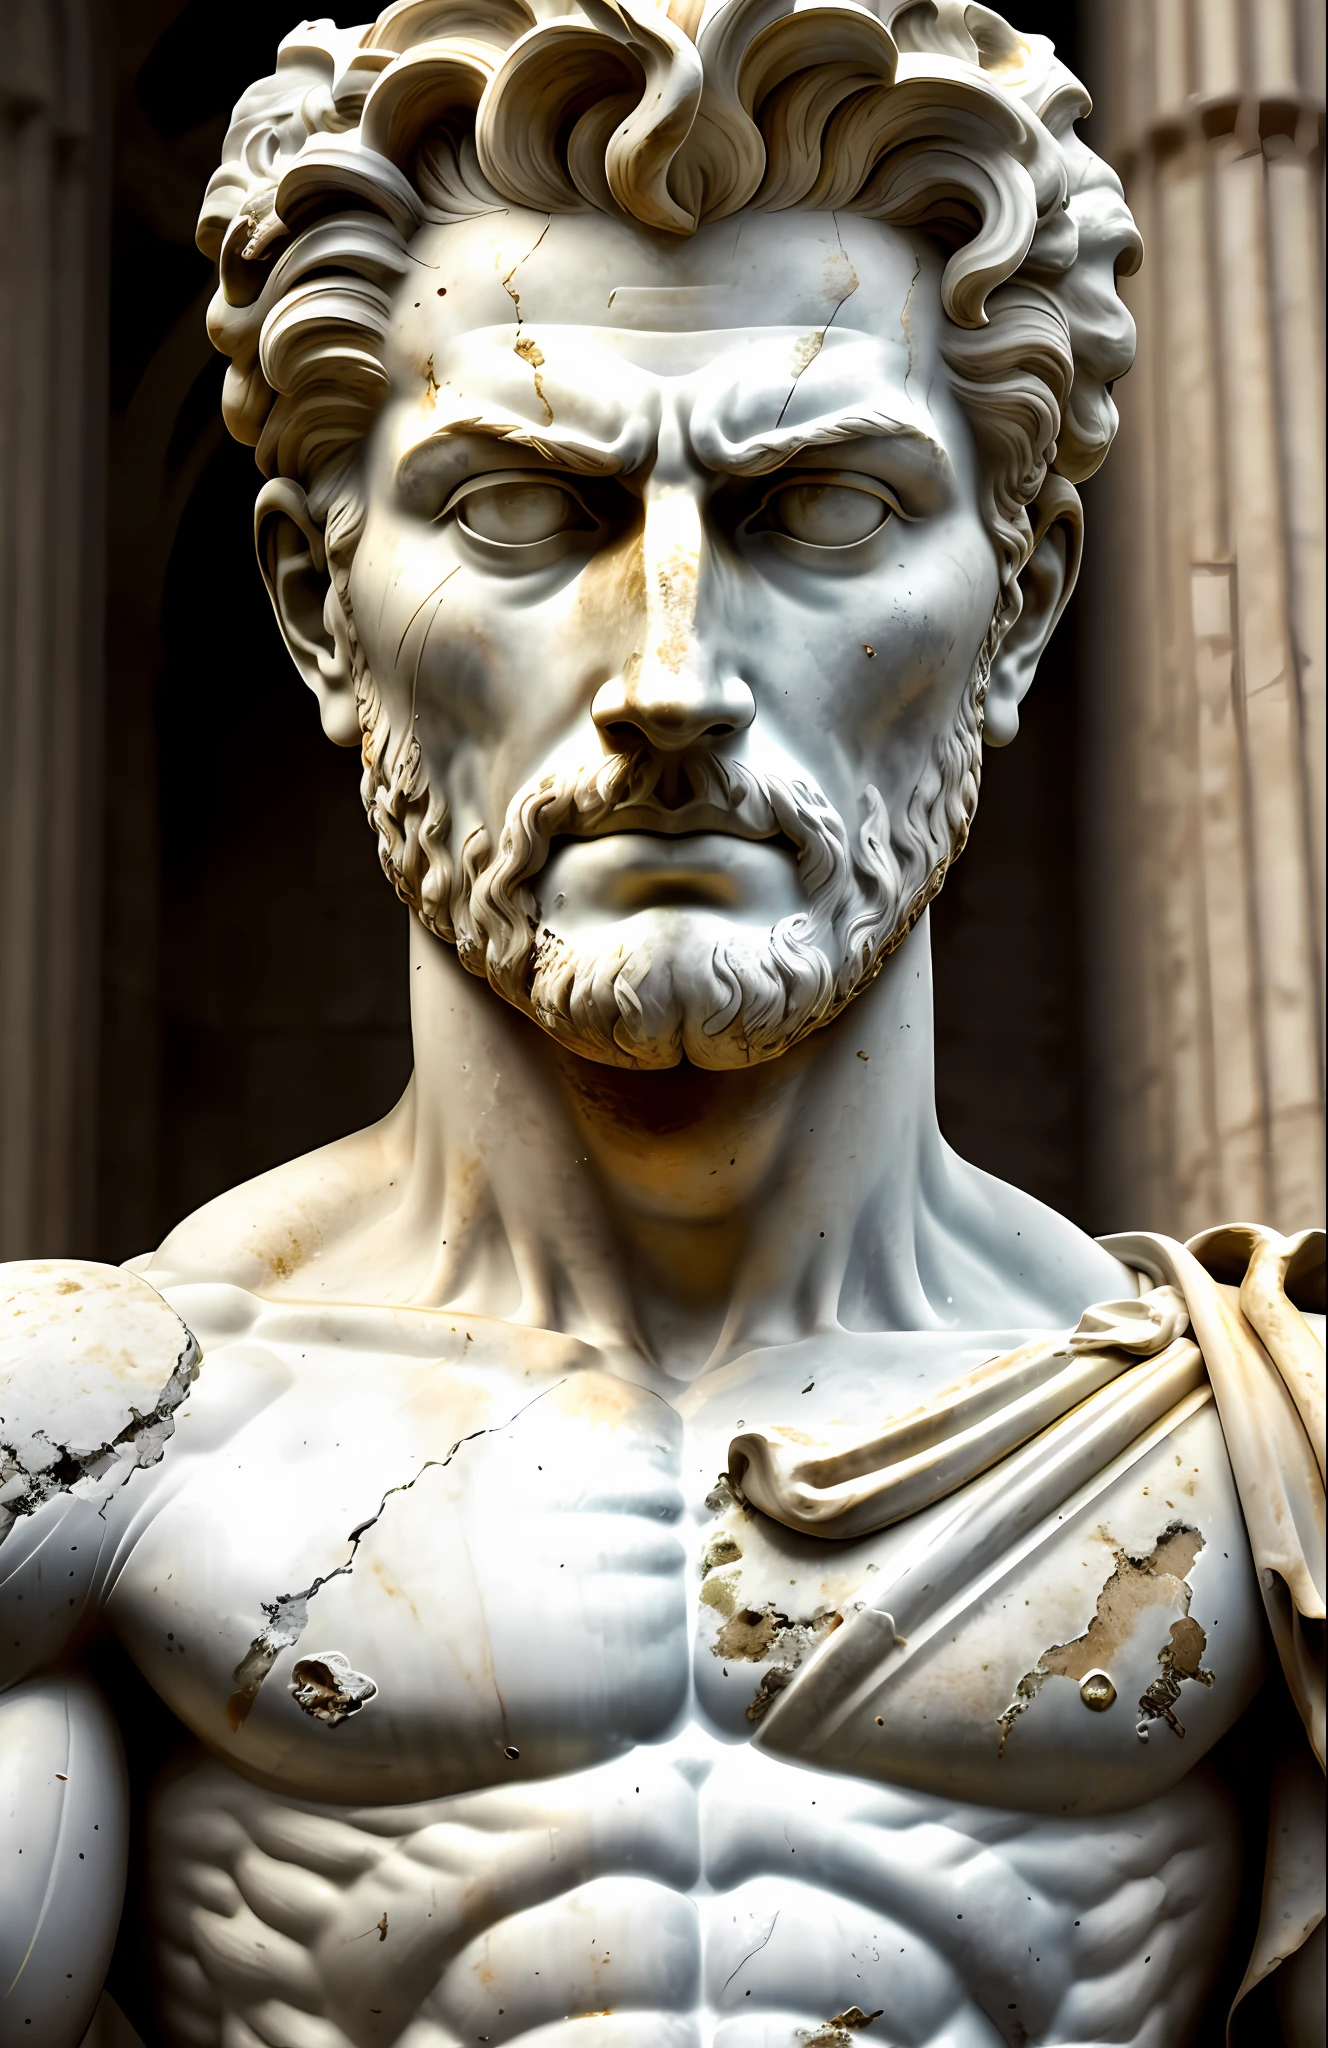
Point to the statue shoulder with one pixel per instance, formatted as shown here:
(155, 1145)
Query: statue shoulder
(93, 1365)
(264, 1234)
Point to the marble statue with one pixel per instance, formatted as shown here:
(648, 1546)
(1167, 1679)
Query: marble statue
(644, 1547)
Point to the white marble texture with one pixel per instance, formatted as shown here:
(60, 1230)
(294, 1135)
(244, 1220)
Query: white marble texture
(669, 542)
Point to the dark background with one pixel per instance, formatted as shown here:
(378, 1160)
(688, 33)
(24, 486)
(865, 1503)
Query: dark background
(254, 998)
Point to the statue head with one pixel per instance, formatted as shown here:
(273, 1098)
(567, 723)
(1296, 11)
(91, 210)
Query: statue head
(671, 418)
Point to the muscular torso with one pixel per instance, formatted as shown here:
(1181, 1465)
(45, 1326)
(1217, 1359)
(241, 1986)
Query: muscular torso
(485, 1668)
(685, 1894)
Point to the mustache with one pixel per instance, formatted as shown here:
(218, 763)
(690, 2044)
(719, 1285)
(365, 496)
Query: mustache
(624, 1001)
(622, 793)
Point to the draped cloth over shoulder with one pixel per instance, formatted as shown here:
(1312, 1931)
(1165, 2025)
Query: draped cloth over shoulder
(842, 1483)
(1226, 1308)
(1267, 1371)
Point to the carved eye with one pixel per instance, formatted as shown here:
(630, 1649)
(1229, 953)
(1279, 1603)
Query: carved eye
(826, 515)
(518, 513)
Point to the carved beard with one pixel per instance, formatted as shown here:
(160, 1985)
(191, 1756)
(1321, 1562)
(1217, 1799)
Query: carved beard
(737, 996)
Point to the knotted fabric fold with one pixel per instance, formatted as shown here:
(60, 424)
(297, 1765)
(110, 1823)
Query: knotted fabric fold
(844, 1484)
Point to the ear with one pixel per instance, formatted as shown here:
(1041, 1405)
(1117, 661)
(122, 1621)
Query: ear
(1046, 582)
(293, 560)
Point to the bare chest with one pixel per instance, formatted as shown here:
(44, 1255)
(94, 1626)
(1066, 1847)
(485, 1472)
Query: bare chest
(453, 1578)
(467, 1577)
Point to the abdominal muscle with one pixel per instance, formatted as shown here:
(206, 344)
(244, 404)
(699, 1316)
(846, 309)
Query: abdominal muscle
(690, 1895)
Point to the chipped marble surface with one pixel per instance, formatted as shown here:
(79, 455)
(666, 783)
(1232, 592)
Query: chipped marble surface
(93, 1365)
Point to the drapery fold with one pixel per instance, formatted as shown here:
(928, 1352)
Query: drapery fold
(1228, 1309)
(842, 1483)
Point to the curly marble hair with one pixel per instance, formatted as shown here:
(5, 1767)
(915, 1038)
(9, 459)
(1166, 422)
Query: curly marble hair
(932, 115)
(929, 114)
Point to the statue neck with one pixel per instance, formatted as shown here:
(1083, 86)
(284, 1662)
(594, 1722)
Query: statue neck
(671, 1220)
(686, 1216)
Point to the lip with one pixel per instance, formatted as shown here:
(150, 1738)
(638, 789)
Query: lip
(590, 879)
(685, 822)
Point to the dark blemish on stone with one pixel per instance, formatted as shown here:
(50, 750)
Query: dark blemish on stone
(327, 1688)
(1178, 1658)
(720, 1550)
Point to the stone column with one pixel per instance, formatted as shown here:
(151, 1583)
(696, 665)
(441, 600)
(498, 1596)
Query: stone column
(1204, 790)
(53, 218)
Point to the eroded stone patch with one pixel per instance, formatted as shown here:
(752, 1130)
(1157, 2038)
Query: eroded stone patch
(839, 2032)
(1179, 1658)
(755, 1635)
(750, 1635)
(1136, 1583)
(328, 1688)
(530, 353)
(721, 1549)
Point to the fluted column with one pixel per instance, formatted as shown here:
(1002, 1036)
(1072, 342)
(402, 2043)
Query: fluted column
(53, 227)
(1204, 786)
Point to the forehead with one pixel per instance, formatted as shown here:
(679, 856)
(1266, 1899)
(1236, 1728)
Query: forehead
(757, 269)
(604, 310)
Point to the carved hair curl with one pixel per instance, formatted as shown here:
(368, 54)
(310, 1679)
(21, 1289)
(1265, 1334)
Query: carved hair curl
(930, 114)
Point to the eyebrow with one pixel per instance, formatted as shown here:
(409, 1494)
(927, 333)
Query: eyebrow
(759, 453)
(582, 456)
(755, 455)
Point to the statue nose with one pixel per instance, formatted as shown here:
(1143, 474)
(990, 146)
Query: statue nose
(671, 710)
(672, 691)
